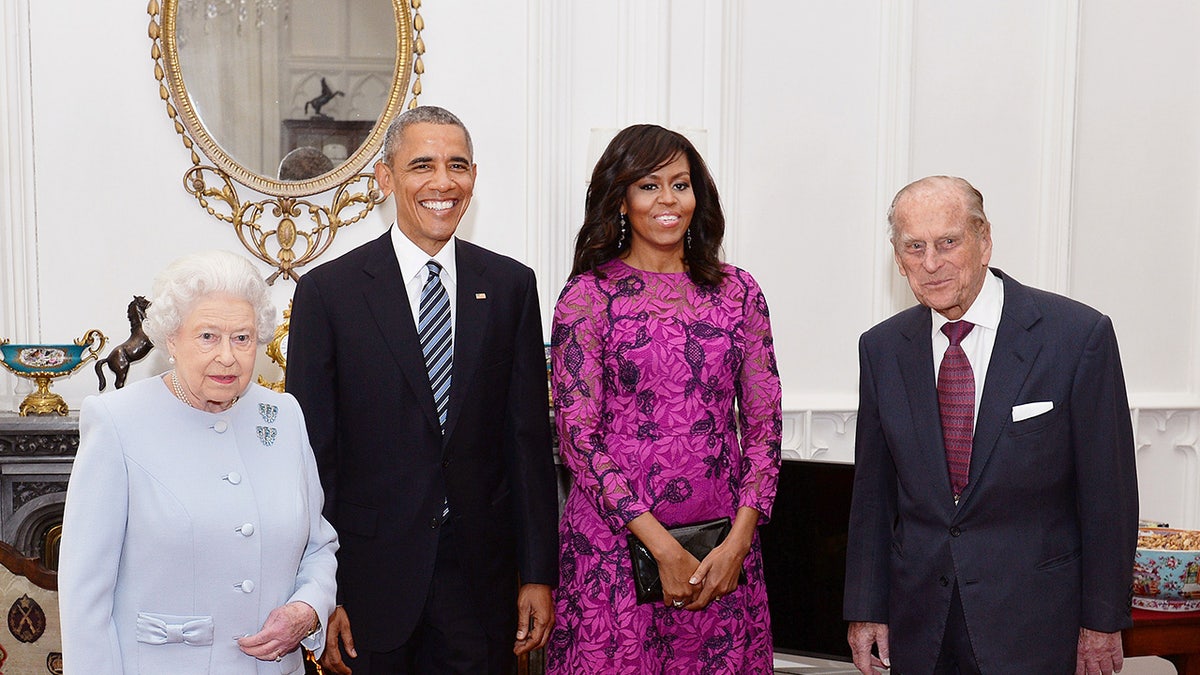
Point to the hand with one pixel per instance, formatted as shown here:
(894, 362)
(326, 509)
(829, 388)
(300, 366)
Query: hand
(286, 626)
(718, 573)
(1099, 653)
(535, 618)
(675, 565)
(337, 634)
(862, 636)
(676, 569)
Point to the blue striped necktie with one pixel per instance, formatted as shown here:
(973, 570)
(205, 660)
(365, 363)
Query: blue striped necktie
(437, 343)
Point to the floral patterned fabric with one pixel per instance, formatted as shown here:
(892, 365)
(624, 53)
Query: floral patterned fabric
(652, 377)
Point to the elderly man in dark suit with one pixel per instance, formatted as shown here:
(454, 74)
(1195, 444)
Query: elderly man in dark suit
(994, 516)
(418, 360)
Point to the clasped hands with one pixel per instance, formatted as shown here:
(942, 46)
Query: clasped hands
(693, 584)
(282, 632)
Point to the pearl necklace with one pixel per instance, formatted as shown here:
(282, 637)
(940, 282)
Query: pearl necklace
(182, 395)
(178, 389)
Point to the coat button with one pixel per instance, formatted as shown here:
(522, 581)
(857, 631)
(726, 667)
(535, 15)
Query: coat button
(246, 586)
(944, 581)
(233, 477)
(433, 523)
(246, 529)
(220, 426)
(445, 463)
(954, 531)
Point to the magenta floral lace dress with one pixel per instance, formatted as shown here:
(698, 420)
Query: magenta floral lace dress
(652, 377)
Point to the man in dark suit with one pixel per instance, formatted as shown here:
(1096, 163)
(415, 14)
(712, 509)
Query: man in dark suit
(994, 515)
(433, 442)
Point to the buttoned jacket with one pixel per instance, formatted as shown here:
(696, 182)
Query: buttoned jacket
(355, 364)
(183, 529)
(1041, 541)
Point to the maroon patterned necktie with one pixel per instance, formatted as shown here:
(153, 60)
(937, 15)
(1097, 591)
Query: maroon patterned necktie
(956, 403)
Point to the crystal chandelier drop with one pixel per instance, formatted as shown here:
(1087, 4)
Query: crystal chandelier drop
(242, 9)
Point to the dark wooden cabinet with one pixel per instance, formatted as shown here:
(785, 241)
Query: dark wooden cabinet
(321, 134)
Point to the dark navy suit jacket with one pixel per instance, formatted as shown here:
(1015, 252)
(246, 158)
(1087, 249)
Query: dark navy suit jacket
(1042, 540)
(354, 362)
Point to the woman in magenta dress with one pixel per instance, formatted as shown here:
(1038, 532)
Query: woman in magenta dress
(668, 410)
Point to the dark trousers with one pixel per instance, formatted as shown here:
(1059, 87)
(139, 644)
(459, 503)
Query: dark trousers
(957, 657)
(449, 638)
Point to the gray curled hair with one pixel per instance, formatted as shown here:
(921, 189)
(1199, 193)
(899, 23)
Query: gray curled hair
(185, 281)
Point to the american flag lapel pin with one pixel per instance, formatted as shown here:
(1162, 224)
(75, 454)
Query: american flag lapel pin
(481, 296)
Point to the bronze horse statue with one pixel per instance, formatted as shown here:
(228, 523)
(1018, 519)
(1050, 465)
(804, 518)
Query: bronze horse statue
(136, 347)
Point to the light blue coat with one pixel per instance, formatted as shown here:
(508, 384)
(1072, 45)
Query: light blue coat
(182, 531)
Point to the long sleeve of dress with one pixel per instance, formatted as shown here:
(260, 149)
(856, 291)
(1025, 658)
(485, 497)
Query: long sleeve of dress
(759, 398)
(579, 386)
(93, 529)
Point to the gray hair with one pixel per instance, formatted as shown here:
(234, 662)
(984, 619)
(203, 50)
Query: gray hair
(972, 200)
(426, 114)
(185, 281)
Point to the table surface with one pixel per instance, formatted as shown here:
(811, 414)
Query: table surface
(1147, 616)
(1174, 636)
(12, 423)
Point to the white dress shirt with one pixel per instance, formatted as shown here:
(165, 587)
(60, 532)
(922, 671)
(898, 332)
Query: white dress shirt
(412, 269)
(985, 313)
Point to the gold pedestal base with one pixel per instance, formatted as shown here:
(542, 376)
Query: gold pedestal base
(43, 401)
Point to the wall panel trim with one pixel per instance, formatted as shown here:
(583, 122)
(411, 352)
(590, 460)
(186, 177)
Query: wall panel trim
(1060, 88)
(19, 319)
(1167, 443)
(893, 164)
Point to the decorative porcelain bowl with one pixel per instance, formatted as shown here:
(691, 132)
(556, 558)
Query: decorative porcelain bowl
(1166, 570)
(42, 363)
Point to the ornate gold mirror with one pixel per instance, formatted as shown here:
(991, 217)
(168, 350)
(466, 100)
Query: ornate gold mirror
(289, 98)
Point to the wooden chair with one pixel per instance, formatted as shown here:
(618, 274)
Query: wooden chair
(31, 638)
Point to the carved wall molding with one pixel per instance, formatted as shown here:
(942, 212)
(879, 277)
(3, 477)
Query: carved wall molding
(1167, 444)
(39, 445)
(1168, 452)
(25, 491)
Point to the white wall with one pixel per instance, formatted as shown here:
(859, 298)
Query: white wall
(1078, 121)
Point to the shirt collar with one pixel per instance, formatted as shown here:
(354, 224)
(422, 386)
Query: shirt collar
(412, 259)
(985, 310)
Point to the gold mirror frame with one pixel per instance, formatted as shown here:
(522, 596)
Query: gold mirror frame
(268, 228)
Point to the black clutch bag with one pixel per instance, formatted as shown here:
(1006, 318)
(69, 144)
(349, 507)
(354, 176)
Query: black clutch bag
(699, 539)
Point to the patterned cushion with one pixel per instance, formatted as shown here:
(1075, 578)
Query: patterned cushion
(32, 639)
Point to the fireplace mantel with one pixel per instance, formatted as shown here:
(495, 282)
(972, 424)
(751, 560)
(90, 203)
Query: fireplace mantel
(36, 454)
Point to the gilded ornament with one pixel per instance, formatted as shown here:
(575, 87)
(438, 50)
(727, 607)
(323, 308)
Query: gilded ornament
(43, 363)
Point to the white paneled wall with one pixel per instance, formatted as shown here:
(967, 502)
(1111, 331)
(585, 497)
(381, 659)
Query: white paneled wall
(1078, 121)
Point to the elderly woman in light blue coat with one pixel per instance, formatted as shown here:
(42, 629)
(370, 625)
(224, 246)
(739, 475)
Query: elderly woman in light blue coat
(193, 540)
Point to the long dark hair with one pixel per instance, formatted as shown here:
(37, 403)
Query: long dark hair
(634, 153)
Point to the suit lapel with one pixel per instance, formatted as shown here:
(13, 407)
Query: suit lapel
(1013, 356)
(916, 367)
(387, 299)
(474, 297)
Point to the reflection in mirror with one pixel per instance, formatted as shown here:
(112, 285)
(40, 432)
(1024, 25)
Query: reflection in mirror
(263, 89)
(285, 75)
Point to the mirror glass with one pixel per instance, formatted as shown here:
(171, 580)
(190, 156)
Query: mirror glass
(289, 97)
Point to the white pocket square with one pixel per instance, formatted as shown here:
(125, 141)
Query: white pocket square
(1027, 410)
